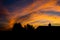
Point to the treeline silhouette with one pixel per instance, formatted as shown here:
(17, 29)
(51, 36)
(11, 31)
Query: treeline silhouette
(29, 28)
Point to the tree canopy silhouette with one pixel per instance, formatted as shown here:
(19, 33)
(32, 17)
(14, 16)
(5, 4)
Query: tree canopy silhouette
(29, 28)
(18, 27)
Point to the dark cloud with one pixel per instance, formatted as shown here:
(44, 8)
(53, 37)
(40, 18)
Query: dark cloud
(24, 17)
(18, 2)
(41, 21)
(51, 12)
(11, 5)
(27, 15)
(58, 2)
(3, 17)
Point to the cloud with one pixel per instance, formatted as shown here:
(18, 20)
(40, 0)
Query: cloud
(58, 2)
(51, 13)
(12, 5)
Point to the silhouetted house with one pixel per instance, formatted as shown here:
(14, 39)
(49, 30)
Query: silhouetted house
(42, 29)
(18, 28)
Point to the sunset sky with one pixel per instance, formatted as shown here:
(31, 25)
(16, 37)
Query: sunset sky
(33, 12)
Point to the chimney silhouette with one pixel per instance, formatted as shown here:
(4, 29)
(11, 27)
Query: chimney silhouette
(49, 24)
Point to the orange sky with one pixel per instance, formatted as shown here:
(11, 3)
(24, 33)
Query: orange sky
(36, 17)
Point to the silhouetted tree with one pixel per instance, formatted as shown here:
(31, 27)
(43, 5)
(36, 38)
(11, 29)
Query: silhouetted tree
(29, 28)
(18, 28)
